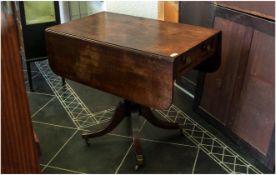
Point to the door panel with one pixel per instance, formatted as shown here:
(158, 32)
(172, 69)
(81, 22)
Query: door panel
(19, 152)
(257, 98)
(264, 9)
(218, 86)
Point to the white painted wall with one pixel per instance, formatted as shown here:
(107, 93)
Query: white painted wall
(79, 9)
(95, 6)
(147, 9)
(64, 11)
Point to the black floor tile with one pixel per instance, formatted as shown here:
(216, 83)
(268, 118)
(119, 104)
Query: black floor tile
(51, 139)
(173, 136)
(54, 113)
(51, 170)
(33, 66)
(102, 156)
(94, 99)
(39, 85)
(205, 165)
(161, 158)
(36, 101)
(126, 126)
(184, 102)
(122, 129)
(105, 153)
(34, 74)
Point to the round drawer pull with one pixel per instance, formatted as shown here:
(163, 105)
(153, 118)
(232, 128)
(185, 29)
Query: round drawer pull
(206, 47)
(187, 59)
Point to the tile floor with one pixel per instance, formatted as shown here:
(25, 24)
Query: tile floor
(61, 114)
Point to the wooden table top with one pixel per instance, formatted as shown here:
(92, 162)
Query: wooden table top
(137, 33)
(131, 57)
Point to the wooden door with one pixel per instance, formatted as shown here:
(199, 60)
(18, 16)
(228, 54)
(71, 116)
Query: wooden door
(18, 147)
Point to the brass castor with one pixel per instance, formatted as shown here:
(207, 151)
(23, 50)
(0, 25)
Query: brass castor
(139, 162)
(136, 167)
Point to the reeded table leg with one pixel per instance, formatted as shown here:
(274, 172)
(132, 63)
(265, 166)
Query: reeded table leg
(134, 111)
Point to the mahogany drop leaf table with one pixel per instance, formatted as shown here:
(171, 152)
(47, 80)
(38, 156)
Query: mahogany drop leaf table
(135, 58)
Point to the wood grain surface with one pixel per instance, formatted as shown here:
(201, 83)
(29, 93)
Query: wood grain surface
(18, 148)
(265, 9)
(131, 57)
(136, 33)
(218, 86)
(257, 106)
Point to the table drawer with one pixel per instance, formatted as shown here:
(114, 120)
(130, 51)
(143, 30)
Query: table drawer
(194, 57)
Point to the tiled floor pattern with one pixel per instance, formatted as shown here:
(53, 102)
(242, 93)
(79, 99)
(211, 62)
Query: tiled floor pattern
(77, 110)
(63, 117)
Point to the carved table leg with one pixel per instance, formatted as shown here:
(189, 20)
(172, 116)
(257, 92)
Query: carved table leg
(147, 113)
(119, 114)
(134, 114)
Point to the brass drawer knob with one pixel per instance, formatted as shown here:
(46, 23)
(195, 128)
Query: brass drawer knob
(206, 47)
(187, 59)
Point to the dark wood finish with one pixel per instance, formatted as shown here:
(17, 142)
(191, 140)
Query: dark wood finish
(260, 24)
(265, 9)
(129, 56)
(218, 86)
(18, 147)
(126, 109)
(134, 58)
(133, 110)
(134, 113)
(118, 116)
(257, 107)
(239, 97)
(197, 13)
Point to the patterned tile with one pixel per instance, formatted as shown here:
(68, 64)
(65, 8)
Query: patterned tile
(223, 155)
(77, 110)
(161, 158)
(85, 118)
(103, 155)
(37, 101)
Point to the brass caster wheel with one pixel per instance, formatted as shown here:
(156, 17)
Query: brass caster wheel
(136, 167)
(139, 162)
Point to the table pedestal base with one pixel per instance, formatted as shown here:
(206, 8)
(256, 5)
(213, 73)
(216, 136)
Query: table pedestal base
(133, 110)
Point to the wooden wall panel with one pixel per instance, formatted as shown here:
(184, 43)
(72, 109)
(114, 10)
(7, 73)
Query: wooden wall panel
(239, 98)
(168, 11)
(18, 147)
(257, 98)
(171, 11)
(218, 86)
